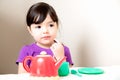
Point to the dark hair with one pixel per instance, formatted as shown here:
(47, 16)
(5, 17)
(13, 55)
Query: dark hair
(38, 12)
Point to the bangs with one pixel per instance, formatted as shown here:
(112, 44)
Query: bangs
(38, 18)
(38, 13)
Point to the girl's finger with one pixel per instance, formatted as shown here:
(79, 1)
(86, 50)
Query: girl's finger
(57, 41)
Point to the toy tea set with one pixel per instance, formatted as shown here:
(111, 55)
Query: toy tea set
(45, 67)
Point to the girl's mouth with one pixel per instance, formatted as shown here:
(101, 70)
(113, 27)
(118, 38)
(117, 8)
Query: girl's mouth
(46, 37)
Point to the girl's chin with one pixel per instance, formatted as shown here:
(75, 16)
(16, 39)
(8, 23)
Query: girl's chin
(47, 42)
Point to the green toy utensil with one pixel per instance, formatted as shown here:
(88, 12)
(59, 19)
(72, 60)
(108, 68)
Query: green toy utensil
(90, 70)
(75, 73)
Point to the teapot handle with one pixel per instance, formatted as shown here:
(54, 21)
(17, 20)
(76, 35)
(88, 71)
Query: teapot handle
(26, 67)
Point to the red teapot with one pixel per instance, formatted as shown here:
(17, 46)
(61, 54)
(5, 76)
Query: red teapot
(42, 65)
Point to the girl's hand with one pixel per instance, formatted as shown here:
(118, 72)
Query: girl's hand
(58, 50)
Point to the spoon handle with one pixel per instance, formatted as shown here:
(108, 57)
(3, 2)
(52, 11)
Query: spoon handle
(74, 72)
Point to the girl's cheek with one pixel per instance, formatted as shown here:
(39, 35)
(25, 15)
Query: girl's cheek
(36, 32)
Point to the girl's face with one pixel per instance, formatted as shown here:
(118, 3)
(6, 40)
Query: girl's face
(44, 33)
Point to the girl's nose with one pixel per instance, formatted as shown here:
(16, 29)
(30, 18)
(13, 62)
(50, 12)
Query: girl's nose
(44, 30)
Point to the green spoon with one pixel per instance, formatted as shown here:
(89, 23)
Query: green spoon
(75, 73)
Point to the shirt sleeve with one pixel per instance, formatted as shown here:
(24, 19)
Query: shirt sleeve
(22, 54)
(68, 55)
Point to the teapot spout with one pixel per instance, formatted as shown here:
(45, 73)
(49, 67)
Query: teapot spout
(59, 62)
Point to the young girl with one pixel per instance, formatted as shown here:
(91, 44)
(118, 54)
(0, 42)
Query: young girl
(42, 22)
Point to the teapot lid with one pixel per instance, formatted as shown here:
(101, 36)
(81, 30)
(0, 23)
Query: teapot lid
(43, 54)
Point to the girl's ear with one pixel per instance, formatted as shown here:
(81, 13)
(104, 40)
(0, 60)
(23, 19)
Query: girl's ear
(29, 30)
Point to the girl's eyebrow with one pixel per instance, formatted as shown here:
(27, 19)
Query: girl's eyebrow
(50, 21)
(47, 22)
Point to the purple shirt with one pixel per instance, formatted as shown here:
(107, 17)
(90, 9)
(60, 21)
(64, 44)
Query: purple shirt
(33, 50)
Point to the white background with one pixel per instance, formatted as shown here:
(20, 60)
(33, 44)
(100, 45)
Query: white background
(91, 29)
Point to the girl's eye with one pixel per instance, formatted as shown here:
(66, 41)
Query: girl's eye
(51, 25)
(38, 26)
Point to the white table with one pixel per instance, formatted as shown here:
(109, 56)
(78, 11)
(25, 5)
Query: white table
(110, 73)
